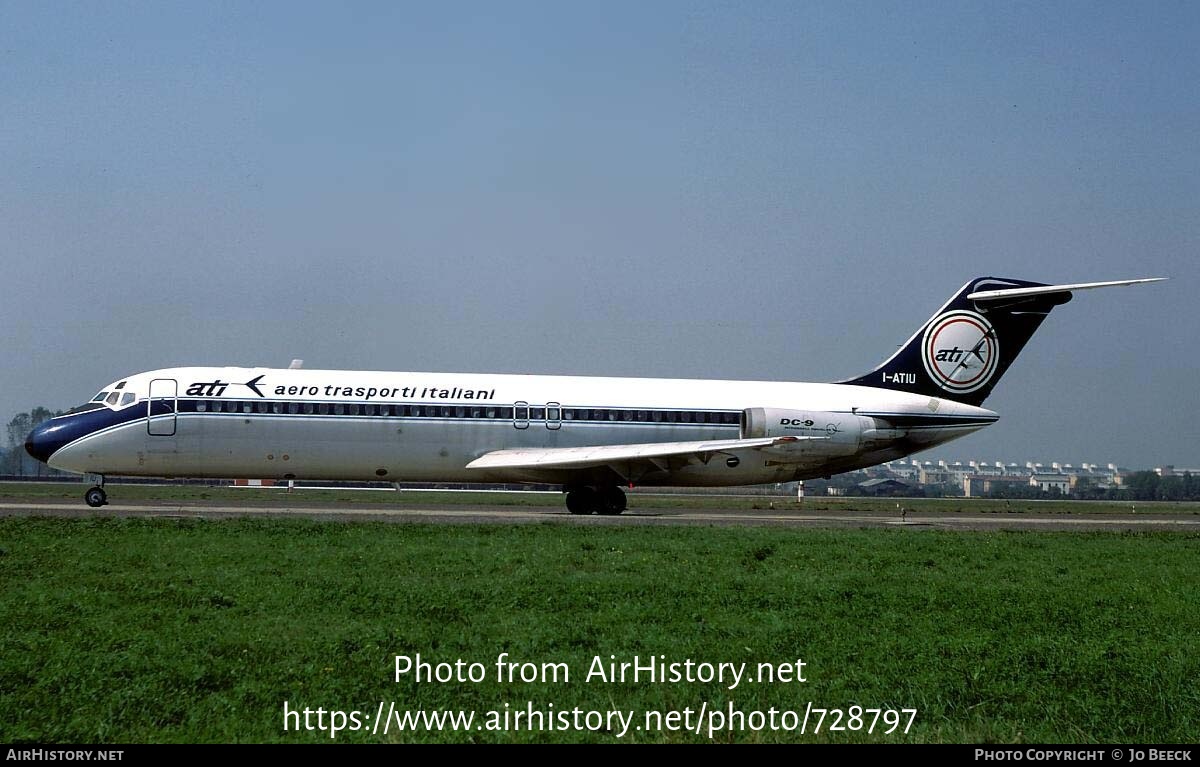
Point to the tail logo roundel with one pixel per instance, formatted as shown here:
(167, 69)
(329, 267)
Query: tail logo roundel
(960, 351)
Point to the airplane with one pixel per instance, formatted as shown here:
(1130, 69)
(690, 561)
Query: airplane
(592, 436)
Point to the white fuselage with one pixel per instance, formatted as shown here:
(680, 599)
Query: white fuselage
(326, 424)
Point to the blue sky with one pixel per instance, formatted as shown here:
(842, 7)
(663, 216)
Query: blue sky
(764, 190)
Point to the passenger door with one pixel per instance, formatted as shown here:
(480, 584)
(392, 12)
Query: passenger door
(162, 407)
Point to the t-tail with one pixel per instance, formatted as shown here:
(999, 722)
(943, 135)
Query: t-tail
(968, 344)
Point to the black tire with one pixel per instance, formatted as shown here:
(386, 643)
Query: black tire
(612, 501)
(95, 497)
(581, 500)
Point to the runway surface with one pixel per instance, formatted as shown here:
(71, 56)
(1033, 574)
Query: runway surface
(497, 514)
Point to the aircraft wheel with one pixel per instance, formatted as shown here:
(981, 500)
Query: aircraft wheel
(95, 497)
(581, 500)
(612, 501)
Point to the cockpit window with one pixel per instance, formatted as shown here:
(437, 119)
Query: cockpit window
(112, 398)
(120, 385)
(100, 397)
(127, 398)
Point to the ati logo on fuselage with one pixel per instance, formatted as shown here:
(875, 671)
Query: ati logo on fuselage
(217, 388)
(210, 389)
(960, 351)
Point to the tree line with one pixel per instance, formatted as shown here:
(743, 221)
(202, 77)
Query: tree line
(14, 459)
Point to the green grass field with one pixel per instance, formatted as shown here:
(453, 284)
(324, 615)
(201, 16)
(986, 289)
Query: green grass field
(135, 630)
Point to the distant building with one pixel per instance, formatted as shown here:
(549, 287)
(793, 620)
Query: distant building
(1120, 476)
(981, 477)
(980, 485)
(1171, 471)
(935, 475)
(907, 471)
(1051, 482)
(985, 469)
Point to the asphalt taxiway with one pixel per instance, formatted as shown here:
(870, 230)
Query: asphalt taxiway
(788, 516)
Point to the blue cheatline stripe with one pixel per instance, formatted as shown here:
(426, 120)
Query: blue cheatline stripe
(68, 429)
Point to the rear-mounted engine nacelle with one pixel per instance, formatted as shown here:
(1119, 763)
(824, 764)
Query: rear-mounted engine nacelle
(840, 433)
(837, 432)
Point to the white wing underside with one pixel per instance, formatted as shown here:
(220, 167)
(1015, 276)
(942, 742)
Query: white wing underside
(659, 455)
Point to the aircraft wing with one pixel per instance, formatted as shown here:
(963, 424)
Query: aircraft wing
(631, 461)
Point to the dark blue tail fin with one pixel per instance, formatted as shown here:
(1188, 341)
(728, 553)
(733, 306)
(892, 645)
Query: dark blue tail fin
(968, 344)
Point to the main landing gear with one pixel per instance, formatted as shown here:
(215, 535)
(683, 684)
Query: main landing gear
(95, 496)
(596, 500)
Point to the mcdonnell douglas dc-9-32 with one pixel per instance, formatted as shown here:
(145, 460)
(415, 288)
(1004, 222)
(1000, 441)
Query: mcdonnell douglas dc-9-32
(592, 436)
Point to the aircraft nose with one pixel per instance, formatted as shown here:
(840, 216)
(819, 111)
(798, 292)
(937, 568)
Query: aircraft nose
(40, 444)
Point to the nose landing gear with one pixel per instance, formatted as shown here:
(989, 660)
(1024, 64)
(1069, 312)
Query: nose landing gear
(95, 496)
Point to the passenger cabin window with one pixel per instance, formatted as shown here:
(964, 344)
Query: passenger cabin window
(114, 398)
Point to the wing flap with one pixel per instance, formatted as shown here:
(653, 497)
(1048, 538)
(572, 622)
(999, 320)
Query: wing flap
(606, 455)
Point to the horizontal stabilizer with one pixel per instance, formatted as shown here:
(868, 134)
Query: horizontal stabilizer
(996, 295)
